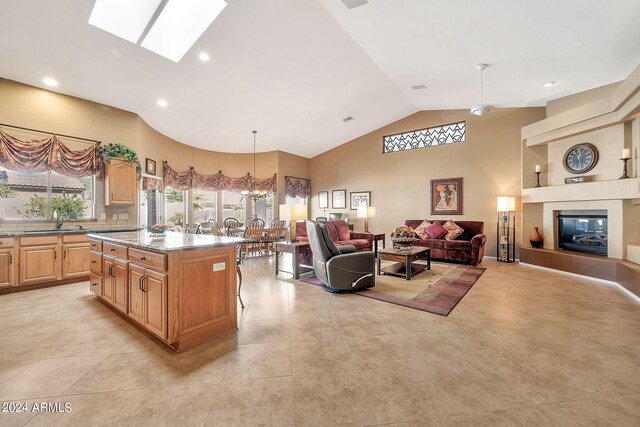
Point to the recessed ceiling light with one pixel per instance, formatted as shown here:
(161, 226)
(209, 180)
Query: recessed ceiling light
(418, 87)
(179, 25)
(204, 56)
(162, 102)
(123, 18)
(550, 83)
(50, 82)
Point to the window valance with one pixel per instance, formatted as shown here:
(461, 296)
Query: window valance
(149, 183)
(191, 179)
(297, 187)
(46, 154)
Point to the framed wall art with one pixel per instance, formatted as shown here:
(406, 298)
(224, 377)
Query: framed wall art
(359, 198)
(323, 200)
(150, 167)
(339, 199)
(446, 196)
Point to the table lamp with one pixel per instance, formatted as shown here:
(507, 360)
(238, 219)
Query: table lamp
(293, 214)
(366, 212)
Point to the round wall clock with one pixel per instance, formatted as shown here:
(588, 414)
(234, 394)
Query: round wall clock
(580, 158)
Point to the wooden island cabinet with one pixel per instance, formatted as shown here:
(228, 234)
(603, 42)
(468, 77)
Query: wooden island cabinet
(181, 287)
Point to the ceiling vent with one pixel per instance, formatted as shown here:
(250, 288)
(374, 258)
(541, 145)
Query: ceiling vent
(418, 87)
(481, 109)
(352, 4)
(348, 119)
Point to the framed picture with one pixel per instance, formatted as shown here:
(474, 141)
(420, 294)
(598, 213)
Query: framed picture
(323, 200)
(339, 199)
(446, 196)
(360, 198)
(150, 167)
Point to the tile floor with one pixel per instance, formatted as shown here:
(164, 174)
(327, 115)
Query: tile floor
(524, 347)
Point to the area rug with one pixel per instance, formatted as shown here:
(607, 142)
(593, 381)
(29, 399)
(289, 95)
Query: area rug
(436, 291)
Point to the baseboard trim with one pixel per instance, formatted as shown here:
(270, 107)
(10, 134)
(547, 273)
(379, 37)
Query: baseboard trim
(581, 276)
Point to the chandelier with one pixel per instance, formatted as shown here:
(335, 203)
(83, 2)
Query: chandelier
(253, 193)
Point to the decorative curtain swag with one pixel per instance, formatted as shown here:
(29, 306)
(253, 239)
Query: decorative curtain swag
(152, 184)
(297, 187)
(45, 154)
(191, 179)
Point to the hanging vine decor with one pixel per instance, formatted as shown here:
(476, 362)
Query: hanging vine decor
(120, 151)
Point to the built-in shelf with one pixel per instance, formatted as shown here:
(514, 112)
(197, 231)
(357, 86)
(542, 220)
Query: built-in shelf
(597, 190)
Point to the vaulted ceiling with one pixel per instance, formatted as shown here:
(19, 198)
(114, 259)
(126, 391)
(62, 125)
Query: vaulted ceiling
(293, 69)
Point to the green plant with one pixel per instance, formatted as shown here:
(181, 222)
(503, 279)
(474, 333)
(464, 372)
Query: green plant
(67, 204)
(36, 207)
(5, 190)
(177, 219)
(174, 196)
(119, 151)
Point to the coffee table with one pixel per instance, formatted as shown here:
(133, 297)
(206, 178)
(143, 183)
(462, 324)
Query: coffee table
(404, 261)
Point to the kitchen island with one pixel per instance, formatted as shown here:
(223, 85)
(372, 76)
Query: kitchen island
(181, 288)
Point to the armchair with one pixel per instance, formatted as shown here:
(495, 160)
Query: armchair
(340, 269)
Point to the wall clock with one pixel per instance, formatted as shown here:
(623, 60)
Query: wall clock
(580, 158)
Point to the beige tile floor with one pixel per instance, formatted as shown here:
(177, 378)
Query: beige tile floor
(524, 347)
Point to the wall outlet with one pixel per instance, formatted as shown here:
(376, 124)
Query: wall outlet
(115, 216)
(103, 216)
(122, 216)
(125, 216)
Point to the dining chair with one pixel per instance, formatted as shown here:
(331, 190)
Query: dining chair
(275, 233)
(215, 228)
(254, 232)
(231, 224)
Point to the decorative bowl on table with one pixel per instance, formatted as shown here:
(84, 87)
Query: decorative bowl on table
(403, 237)
(158, 230)
(403, 242)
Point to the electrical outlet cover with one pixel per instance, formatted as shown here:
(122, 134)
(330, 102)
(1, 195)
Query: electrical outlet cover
(103, 216)
(115, 216)
(125, 216)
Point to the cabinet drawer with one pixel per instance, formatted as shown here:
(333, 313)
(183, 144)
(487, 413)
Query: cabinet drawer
(95, 284)
(38, 240)
(150, 259)
(96, 262)
(75, 238)
(114, 250)
(96, 245)
(6, 242)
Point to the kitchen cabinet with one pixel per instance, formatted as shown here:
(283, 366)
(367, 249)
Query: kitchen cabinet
(75, 260)
(120, 183)
(7, 268)
(39, 264)
(115, 282)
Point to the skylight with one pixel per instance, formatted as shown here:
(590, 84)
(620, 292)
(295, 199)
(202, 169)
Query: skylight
(126, 19)
(179, 25)
(173, 31)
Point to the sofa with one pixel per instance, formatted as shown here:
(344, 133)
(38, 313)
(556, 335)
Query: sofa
(468, 248)
(340, 234)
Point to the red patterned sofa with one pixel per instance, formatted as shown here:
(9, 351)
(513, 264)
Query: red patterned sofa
(340, 234)
(467, 248)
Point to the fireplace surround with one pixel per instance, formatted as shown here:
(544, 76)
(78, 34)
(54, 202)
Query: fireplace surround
(583, 231)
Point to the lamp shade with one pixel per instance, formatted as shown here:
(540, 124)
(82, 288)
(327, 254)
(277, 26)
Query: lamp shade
(506, 203)
(285, 212)
(366, 212)
(298, 212)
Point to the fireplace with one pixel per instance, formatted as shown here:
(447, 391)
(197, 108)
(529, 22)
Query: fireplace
(583, 231)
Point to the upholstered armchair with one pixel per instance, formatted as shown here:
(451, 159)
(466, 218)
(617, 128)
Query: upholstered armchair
(340, 269)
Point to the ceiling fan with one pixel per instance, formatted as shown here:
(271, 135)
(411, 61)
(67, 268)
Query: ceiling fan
(481, 109)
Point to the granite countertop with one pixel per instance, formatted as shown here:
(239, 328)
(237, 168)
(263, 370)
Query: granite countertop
(171, 242)
(67, 231)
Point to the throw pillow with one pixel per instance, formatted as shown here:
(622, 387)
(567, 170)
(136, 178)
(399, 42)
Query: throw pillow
(421, 230)
(436, 231)
(453, 230)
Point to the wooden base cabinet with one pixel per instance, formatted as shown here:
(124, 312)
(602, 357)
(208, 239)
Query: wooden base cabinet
(7, 276)
(148, 299)
(39, 264)
(115, 282)
(75, 260)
